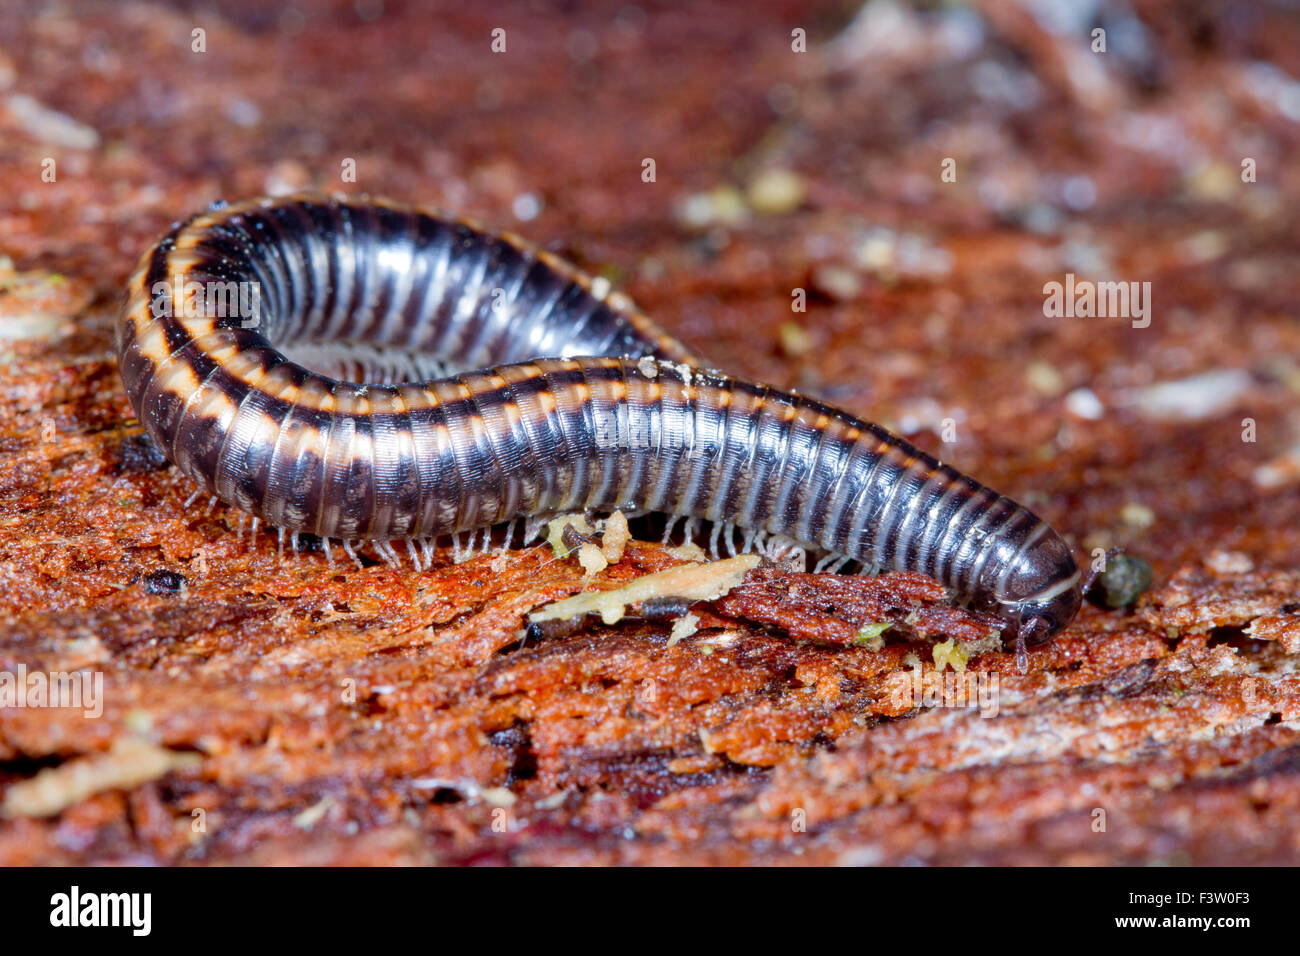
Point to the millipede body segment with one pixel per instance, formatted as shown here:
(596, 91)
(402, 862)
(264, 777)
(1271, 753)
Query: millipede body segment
(575, 401)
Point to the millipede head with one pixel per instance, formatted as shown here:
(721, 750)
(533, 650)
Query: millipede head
(1043, 589)
(1039, 620)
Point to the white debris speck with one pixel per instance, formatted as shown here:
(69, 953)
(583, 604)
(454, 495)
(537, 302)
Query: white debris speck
(876, 251)
(683, 627)
(526, 207)
(1137, 515)
(1084, 403)
(1063, 17)
(50, 126)
(724, 638)
(1079, 192)
(241, 112)
(1045, 379)
(925, 414)
(722, 205)
(1275, 87)
(286, 177)
(497, 796)
(795, 340)
(861, 856)
(1279, 471)
(1229, 562)
(838, 282)
(776, 191)
(592, 559)
(1205, 246)
(1195, 398)
(886, 29)
(1085, 258)
(313, 814)
(888, 253)
(690, 551)
(553, 802)
(614, 541)
(128, 763)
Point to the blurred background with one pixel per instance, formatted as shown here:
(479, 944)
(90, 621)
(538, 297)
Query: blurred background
(868, 202)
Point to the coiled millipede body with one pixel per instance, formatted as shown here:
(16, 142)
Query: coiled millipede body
(579, 403)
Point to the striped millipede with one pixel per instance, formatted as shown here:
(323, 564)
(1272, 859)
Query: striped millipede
(618, 415)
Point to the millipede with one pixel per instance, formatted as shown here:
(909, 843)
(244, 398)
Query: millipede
(398, 373)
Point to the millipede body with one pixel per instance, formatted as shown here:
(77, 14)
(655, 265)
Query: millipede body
(573, 401)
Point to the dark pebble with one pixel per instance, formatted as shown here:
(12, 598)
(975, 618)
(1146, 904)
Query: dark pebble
(309, 543)
(1125, 579)
(139, 453)
(164, 582)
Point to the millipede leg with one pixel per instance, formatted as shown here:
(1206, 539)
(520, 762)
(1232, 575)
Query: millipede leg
(668, 531)
(531, 526)
(391, 557)
(415, 557)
